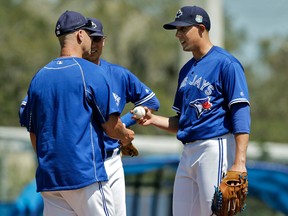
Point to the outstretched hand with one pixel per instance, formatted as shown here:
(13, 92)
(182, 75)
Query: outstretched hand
(145, 120)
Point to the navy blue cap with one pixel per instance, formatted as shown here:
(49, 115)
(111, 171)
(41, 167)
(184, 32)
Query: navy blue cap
(70, 21)
(188, 16)
(96, 28)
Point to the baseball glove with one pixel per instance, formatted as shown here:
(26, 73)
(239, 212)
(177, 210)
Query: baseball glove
(129, 150)
(230, 197)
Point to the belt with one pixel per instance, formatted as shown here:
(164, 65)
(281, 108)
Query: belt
(112, 153)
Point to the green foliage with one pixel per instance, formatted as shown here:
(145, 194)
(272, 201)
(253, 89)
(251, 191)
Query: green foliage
(266, 79)
(268, 95)
(23, 52)
(136, 40)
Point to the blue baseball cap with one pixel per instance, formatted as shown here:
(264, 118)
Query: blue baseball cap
(70, 21)
(188, 16)
(96, 28)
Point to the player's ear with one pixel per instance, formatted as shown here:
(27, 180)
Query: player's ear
(201, 27)
(81, 35)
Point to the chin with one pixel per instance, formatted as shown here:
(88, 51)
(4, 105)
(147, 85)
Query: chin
(187, 49)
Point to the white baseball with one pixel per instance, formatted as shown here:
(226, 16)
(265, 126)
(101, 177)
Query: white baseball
(139, 112)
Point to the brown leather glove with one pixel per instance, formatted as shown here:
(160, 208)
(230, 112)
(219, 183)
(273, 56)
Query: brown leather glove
(230, 197)
(129, 150)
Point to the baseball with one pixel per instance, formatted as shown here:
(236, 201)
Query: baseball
(139, 112)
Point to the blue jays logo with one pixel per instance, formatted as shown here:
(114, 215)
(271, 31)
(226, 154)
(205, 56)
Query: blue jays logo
(201, 105)
(93, 25)
(179, 13)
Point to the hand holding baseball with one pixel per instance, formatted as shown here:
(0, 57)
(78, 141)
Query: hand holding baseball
(143, 116)
(139, 112)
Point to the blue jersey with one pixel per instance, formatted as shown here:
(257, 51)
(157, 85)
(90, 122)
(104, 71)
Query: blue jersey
(126, 87)
(206, 90)
(68, 100)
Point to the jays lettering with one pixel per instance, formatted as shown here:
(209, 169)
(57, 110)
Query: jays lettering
(202, 85)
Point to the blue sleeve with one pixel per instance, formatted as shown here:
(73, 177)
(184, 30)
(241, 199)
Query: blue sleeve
(235, 85)
(140, 94)
(128, 88)
(153, 103)
(241, 120)
(100, 95)
(127, 119)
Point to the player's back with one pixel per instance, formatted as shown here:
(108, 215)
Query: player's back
(61, 117)
(57, 92)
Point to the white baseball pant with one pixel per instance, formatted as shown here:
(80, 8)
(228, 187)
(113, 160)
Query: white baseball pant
(201, 167)
(95, 199)
(115, 172)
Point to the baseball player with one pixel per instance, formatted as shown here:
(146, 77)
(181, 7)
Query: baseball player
(126, 87)
(69, 105)
(213, 115)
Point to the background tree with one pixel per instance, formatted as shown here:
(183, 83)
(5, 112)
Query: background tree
(136, 40)
(270, 100)
(19, 29)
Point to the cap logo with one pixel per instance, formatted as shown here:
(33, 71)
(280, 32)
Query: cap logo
(93, 25)
(179, 14)
(58, 29)
(199, 18)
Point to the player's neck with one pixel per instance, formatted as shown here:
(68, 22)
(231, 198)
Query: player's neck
(68, 52)
(202, 51)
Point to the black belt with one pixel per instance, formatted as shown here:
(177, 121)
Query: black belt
(110, 153)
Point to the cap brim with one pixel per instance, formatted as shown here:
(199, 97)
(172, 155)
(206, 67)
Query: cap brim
(96, 34)
(174, 24)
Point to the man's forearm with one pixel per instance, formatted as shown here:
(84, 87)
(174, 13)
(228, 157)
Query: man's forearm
(115, 129)
(242, 141)
(169, 124)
